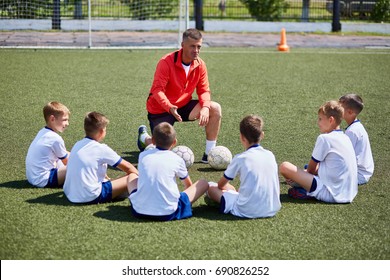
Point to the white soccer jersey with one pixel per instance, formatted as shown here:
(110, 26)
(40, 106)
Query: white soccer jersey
(87, 167)
(46, 149)
(338, 169)
(361, 144)
(157, 192)
(259, 192)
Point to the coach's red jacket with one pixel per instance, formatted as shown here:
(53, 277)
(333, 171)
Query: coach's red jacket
(172, 87)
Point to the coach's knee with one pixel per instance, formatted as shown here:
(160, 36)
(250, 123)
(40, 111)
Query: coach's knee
(215, 110)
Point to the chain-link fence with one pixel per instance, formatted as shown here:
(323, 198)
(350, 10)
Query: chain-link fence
(287, 10)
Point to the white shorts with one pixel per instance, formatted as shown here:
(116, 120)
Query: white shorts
(228, 200)
(321, 193)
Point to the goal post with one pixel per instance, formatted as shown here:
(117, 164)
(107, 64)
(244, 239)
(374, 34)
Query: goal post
(98, 23)
(142, 11)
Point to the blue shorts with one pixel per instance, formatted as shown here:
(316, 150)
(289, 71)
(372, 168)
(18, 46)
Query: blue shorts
(53, 179)
(105, 195)
(184, 112)
(183, 211)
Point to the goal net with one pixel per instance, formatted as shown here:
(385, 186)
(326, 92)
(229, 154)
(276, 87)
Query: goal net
(98, 23)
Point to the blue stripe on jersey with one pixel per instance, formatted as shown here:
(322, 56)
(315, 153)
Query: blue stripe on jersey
(228, 178)
(117, 163)
(64, 157)
(315, 159)
(184, 177)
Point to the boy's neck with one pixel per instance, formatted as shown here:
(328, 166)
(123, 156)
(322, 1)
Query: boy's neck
(48, 126)
(251, 145)
(335, 128)
(94, 137)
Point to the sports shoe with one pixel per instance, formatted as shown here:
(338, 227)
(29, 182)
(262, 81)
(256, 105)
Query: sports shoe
(141, 130)
(204, 158)
(299, 193)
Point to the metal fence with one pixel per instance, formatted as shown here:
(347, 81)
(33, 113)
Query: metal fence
(297, 10)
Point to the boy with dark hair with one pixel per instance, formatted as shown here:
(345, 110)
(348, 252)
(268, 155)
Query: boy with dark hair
(157, 195)
(353, 105)
(258, 195)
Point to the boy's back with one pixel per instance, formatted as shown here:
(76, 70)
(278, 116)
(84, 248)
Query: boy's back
(42, 156)
(87, 168)
(259, 183)
(157, 192)
(361, 144)
(337, 169)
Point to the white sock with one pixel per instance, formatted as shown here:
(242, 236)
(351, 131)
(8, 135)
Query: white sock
(210, 145)
(144, 136)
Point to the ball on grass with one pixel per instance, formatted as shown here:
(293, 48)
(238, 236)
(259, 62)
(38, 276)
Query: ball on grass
(219, 157)
(185, 153)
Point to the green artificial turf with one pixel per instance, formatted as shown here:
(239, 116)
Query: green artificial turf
(286, 89)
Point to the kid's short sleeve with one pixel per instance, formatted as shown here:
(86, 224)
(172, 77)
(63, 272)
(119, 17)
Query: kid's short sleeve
(320, 149)
(59, 148)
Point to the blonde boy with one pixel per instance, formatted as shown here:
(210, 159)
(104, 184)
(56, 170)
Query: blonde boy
(331, 175)
(47, 156)
(86, 180)
(353, 105)
(259, 192)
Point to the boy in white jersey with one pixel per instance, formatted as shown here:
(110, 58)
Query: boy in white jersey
(331, 175)
(157, 195)
(86, 180)
(353, 105)
(47, 156)
(259, 192)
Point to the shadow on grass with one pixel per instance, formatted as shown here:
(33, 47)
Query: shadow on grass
(131, 156)
(285, 198)
(120, 213)
(208, 169)
(21, 184)
(60, 199)
(57, 198)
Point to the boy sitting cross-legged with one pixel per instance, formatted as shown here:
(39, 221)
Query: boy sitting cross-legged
(331, 175)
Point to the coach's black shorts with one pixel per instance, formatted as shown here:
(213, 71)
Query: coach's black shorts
(184, 112)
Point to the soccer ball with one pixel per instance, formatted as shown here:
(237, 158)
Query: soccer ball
(219, 157)
(185, 153)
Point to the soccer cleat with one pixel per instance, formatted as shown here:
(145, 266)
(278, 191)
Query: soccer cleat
(141, 130)
(204, 158)
(299, 193)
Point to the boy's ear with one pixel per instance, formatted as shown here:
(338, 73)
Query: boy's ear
(262, 135)
(52, 118)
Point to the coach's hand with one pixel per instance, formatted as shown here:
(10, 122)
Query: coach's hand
(173, 111)
(204, 116)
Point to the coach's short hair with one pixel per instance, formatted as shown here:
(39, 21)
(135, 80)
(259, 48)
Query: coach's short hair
(192, 33)
(352, 101)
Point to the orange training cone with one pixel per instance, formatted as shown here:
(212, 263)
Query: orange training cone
(282, 46)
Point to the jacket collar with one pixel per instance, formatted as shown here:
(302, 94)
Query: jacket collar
(177, 60)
